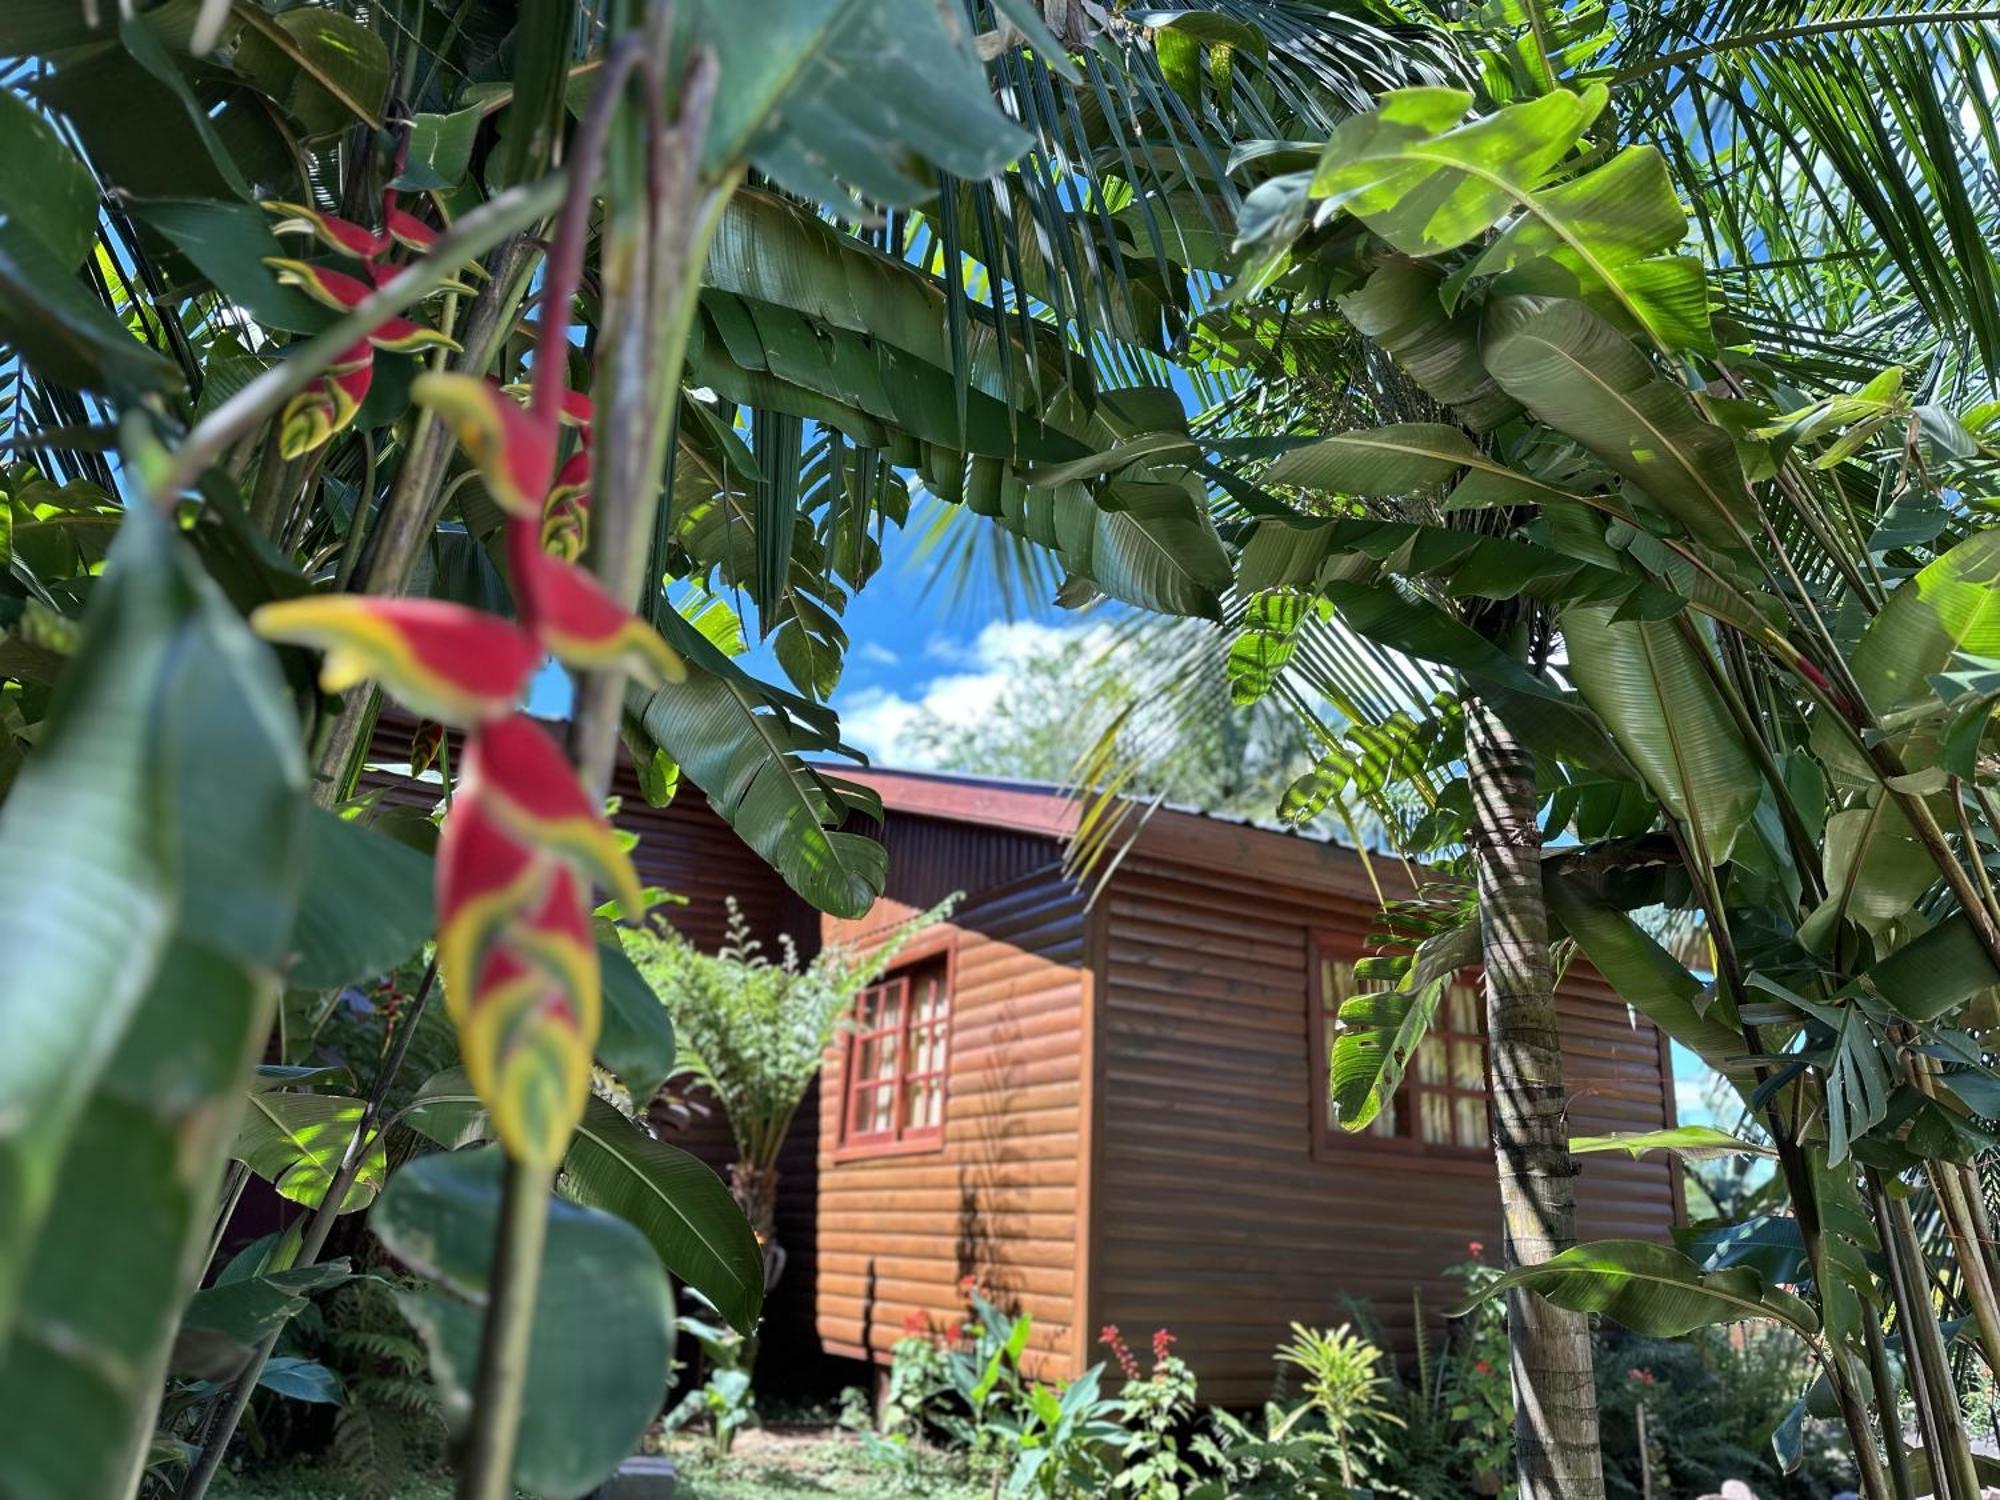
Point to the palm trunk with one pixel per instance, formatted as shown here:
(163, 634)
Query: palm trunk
(1555, 1397)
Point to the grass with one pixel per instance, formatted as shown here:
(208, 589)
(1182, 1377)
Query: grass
(767, 1465)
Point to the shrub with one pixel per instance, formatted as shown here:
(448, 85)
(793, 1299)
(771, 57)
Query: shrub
(1712, 1400)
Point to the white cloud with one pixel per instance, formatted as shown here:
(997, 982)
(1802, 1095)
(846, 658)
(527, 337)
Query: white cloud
(875, 652)
(878, 720)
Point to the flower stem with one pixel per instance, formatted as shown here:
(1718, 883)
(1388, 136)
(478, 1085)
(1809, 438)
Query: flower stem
(488, 1466)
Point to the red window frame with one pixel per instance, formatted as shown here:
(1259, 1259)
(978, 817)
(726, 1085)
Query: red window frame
(904, 1032)
(1328, 1139)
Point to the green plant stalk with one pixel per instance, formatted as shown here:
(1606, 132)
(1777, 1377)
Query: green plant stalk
(684, 215)
(1947, 1188)
(1885, 1403)
(1923, 1345)
(486, 1472)
(1798, 1180)
(314, 1236)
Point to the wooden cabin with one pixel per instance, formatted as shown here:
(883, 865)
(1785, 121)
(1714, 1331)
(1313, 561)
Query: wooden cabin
(1114, 1111)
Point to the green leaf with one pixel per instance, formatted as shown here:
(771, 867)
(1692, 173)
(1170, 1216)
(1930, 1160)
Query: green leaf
(1689, 1142)
(675, 1200)
(1597, 237)
(1419, 174)
(1579, 375)
(248, 1309)
(1154, 546)
(1651, 689)
(1875, 868)
(440, 150)
(1951, 606)
(1408, 458)
(1542, 714)
(637, 1042)
(603, 1323)
(228, 243)
(1652, 1289)
(44, 190)
(296, 1143)
(300, 1379)
(163, 797)
(150, 858)
(1399, 307)
(367, 905)
(1648, 978)
(824, 96)
(745, 754)
(65, 333)
(1937, 972)
(1380, 1031)
(323, 68)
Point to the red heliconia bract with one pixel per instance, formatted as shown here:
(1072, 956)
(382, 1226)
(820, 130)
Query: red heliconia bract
(531, 791)
(514, 451)
(342, 235)
(583, 626)
(446, 661)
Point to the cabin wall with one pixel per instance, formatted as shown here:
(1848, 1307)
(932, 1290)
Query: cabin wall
(998, 1198)
(1212, 1215)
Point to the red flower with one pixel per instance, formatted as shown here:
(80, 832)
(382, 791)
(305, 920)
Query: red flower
(514, 450)
(444, 661)
(1163, 1343)
(570, 613)
(529, 789)
(915, 1322)
(1475, 1248)
(344, 293)
(329, 404)
(342, 235)
(1481, 1367)
(1642, 1376)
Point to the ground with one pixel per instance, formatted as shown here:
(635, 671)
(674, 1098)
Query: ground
(767, 1465)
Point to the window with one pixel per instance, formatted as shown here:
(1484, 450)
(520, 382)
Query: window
(897, 1056)
(1442, 1103)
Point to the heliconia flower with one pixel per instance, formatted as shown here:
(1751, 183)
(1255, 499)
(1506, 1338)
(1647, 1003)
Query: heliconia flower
(531, 791)
(406, 229)
(580, 624)
(566, 513)
(329, 404)
(487, 881)
(441, 660)
(344, 293)
(343, 235)
(514, 451)
(526, 1057)
(577, 410)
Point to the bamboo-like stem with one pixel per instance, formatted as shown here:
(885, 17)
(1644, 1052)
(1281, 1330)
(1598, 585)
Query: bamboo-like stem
(1947, 1189)
(682, 217)
(486, 1471)
(1885, 1404)
(1792, 1165)
(1923, 1346)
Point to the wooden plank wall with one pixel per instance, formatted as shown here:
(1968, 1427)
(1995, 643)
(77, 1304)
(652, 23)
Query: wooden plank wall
(999, 1198)
(1212, 1215)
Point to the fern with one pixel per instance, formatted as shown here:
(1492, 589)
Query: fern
(371, 1451)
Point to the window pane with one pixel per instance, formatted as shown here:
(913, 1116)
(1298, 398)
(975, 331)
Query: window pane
(1385, 1122)
(1336, 983)
(1430, 1060)
(1468, 1065)
(1464, 1009)
(926, 1103)
(1471, 1121)
(1434, 1121)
